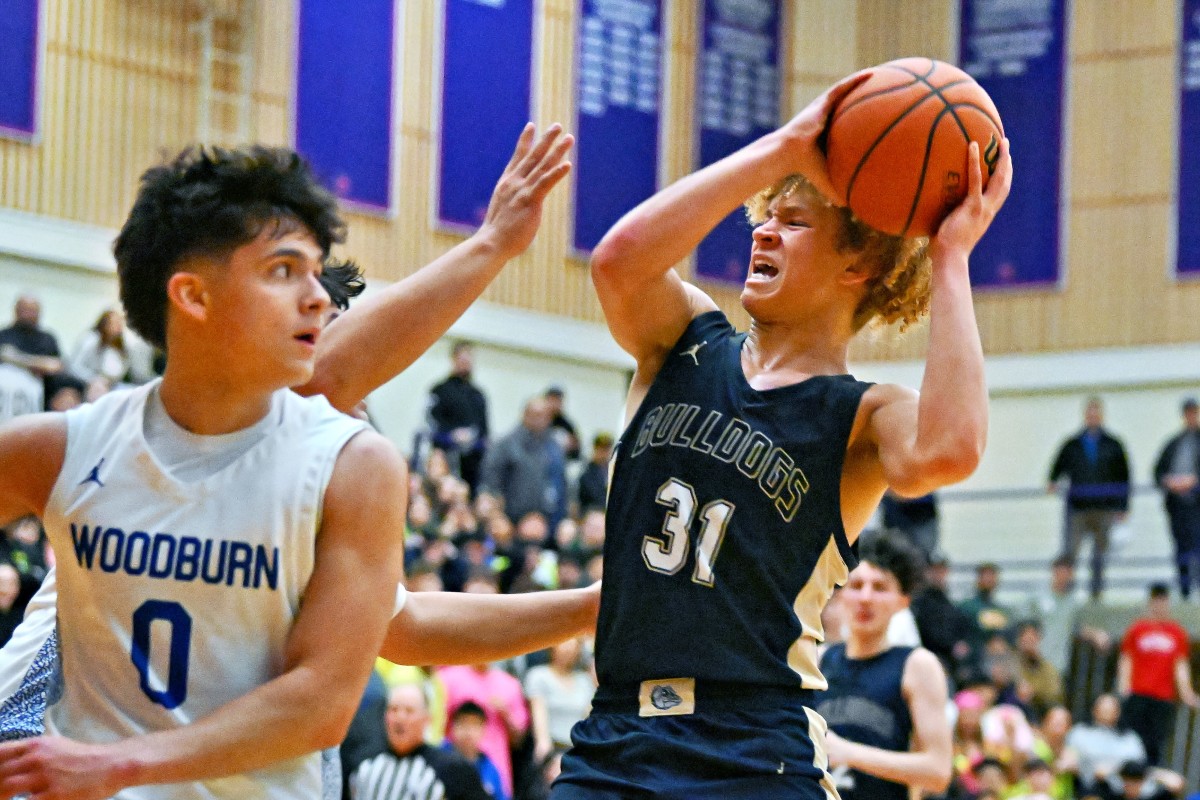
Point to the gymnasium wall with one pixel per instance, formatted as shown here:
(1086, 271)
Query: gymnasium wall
(121, 88)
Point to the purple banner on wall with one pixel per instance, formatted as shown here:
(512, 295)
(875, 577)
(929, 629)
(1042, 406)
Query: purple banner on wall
(487, 74)
(617, 96)
(737, 96)
(19, 67)
(344, 74)
(1015, 50)
(1187, 259)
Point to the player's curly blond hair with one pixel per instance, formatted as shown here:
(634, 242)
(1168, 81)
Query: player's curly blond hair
(900, 269)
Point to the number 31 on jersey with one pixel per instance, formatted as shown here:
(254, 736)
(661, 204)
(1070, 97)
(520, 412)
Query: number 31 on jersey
(666, 553)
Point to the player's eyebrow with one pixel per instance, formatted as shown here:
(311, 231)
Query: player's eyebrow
(286, 252)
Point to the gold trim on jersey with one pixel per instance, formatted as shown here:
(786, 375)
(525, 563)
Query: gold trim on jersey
(816, 734)
(829, 571)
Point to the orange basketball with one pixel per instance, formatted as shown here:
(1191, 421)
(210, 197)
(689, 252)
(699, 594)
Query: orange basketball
(897, 144)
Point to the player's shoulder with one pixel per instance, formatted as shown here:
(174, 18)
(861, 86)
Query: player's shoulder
(366, 451)
(34, 430)
(879, 397)
(922, 668)
(882, 395)
(699, 302)
(833, 653)
(33, 449)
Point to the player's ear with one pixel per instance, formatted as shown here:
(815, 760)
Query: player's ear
(855, 274)
(188, 293)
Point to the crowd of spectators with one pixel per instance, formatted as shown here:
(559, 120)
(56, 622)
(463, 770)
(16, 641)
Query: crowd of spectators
(1014, 735)
(519, 512)
(36, 375)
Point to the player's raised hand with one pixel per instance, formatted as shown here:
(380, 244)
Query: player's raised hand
(965, 225)
(805, 135)
(536, 167)
(54, 768)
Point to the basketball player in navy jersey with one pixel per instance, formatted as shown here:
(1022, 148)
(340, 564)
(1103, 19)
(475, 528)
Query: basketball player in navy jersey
(885, 706)
(235, 293)
(750, 462)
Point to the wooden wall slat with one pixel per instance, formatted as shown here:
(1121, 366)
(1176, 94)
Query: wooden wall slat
(1101, 28)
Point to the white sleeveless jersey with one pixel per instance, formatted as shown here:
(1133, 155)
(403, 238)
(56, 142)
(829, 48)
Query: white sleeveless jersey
(176, 598)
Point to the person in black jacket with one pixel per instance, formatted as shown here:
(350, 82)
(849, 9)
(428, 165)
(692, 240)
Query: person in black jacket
(458, 416)
(592, 489)
(945, 631)
(1177, 471)
(1096, 469)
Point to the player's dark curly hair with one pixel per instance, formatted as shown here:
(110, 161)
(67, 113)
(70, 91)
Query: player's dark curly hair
(895, 554)
(343, 280)
(210, 201)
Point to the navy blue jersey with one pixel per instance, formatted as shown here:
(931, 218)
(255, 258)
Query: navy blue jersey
(865, 704)
(724, 527)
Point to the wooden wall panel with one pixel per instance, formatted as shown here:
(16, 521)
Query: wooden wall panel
(1122, 113)
(890, 29)
(1104, 29)
(121, 82)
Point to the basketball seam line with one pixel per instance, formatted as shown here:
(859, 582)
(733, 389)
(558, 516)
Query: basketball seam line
(880, 92)
(858, 167)
(923, 79)
(912, 209)
(883, 134)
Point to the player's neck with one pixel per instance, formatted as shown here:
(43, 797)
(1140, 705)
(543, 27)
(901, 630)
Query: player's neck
(866, 644)
(210, 406)
(778, 349)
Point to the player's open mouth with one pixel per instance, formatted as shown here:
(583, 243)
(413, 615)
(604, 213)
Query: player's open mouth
(761, 269)
(307, 338)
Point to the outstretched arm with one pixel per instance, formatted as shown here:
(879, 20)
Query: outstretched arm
(927, 765)
(351, 363)
(455, 628)
(631, 266)
(310, 704)
(937, 438)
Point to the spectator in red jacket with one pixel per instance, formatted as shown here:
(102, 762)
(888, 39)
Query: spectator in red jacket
(1154, 673)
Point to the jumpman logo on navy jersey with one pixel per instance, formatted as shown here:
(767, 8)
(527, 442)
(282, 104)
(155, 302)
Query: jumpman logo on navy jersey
(694, 351)
(94, 475)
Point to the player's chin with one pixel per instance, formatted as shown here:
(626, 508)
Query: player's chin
(299, 372)
(760, 302)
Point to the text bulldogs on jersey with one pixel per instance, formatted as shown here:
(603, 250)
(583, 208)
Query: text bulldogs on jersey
(182, 558)
(734, 442)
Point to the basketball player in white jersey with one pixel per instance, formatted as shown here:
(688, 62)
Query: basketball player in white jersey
(244, 663)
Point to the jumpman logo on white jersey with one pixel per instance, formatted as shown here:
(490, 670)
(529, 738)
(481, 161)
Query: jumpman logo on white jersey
(694, 351)
(94, 475)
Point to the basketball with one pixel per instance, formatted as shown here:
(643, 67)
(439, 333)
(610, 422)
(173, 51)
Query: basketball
(897, 144)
